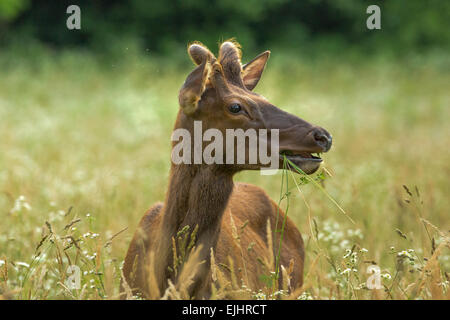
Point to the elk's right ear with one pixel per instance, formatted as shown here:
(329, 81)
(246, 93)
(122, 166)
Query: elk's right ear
(193, 88)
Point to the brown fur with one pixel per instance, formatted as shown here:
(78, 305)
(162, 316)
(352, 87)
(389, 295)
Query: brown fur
(205, 197)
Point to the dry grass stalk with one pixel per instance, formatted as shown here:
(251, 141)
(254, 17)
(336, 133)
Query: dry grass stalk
(189, 271)
(152, 282)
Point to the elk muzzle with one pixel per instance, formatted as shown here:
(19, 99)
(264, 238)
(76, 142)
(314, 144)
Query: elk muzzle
(299, 142)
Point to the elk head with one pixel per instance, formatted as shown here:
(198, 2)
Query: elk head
(219, 94)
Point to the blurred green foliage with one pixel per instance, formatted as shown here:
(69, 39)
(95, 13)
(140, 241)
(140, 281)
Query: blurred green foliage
(162, 25)
(9, 9)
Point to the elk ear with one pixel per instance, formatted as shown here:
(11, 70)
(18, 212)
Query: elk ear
(193, 88)
(252, 71)
(199, 53)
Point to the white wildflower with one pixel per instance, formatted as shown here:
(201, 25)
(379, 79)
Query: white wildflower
(19, 204)
(22, 264)
(346, 271)
(386, 276)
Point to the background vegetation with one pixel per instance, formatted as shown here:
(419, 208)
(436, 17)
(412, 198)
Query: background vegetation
(86, 118)
(166, 26)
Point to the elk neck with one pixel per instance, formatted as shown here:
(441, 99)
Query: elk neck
(197, 196)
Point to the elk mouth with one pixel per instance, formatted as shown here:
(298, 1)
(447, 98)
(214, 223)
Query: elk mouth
(306, 161)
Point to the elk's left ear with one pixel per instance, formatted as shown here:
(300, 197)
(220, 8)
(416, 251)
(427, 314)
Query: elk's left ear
(252, 71)
(193, 88)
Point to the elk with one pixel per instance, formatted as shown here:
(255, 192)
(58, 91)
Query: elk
(219, 93)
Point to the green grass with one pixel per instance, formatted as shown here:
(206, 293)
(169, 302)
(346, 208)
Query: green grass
(94, 136)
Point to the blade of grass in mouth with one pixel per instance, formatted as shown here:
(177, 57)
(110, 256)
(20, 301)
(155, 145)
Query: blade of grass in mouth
(290, 163)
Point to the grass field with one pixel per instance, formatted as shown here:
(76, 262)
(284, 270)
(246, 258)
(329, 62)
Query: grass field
(85, 150)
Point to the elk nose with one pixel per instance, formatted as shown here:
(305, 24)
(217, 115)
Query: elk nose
(323, 139)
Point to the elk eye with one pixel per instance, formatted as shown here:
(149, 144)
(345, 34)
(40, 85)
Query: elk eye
(235, 108)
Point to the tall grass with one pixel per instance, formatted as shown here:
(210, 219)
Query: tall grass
(85, 151)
